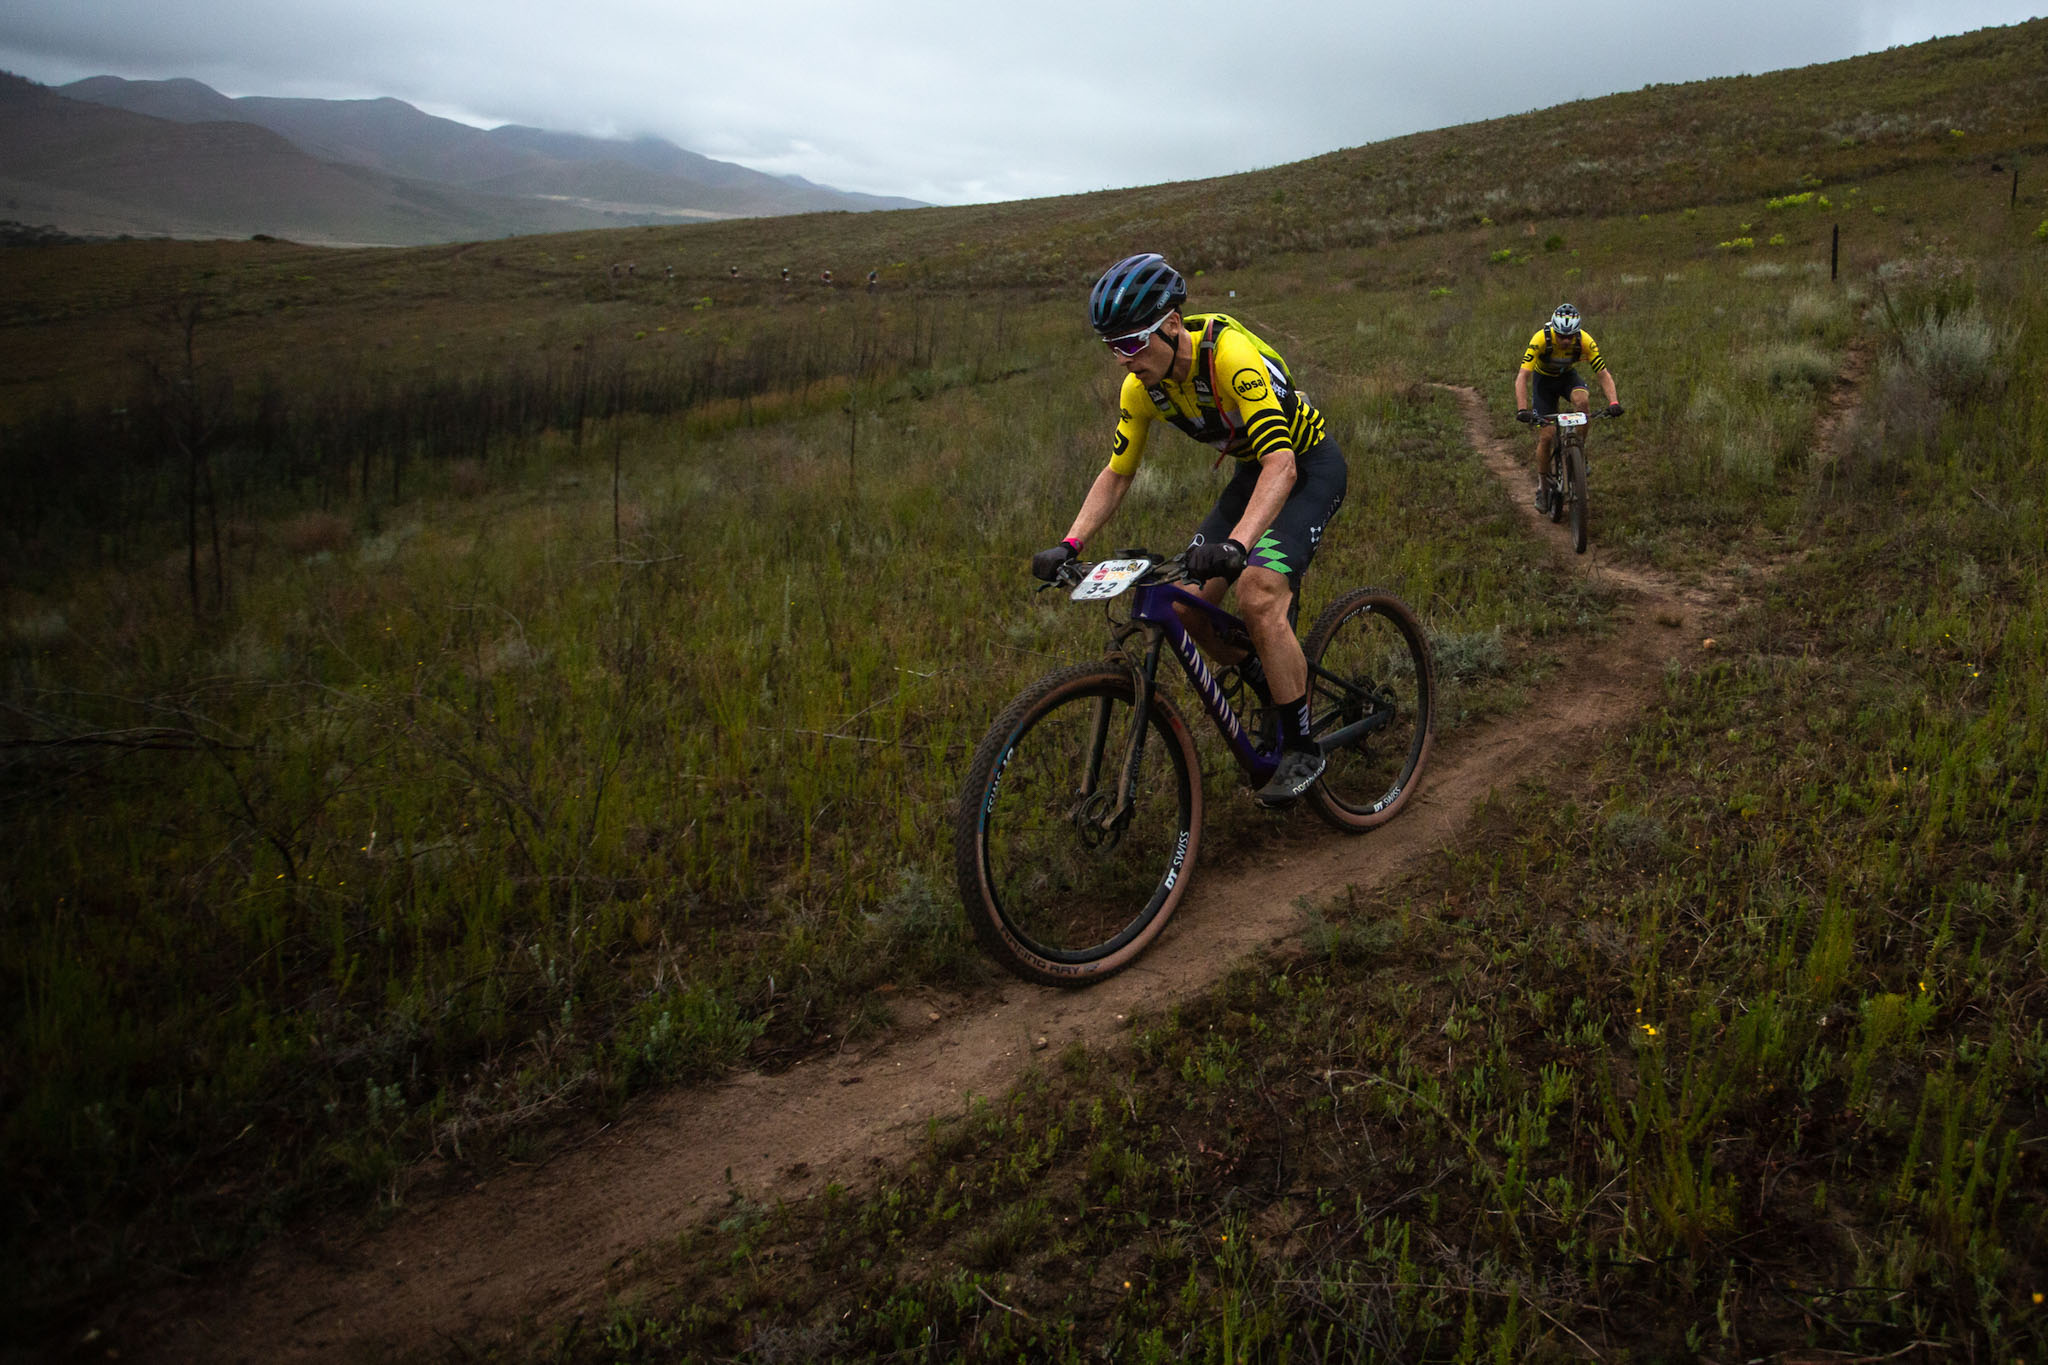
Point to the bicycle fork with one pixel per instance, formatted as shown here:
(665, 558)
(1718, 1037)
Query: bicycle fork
(1100, 818)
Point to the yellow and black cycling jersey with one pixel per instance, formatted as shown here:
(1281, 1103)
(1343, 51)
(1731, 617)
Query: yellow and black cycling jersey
(1553, 355)
(1238, 397)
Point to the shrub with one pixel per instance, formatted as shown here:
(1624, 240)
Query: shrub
(1809, 312)
(1956, 355)
(1790, 365)
(684, 1035)
(1749, 447)
(1742, 438)
(1931, 286)
(1637, 835)
(310, 533)
(466, 478)
(1738, 244)
(1469, 654)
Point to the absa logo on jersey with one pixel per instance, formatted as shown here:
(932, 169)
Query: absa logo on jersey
(1249, 385)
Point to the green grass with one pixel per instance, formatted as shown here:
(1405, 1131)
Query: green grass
(485, 782)
(1725, 1043)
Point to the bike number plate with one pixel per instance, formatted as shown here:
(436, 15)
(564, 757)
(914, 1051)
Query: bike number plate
(1109, 578)
(1571, 419)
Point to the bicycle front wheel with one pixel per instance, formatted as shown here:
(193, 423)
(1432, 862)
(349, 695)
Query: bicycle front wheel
(1372, 685)
(1575, 489)
(1065, 873)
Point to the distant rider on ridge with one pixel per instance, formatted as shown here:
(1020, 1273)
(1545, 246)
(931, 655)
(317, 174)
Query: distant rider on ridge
(1208, 375)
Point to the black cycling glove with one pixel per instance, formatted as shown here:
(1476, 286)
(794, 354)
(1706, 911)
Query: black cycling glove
(1525, 414)
(1046, 564)
(1216, 559)
(1614, 409)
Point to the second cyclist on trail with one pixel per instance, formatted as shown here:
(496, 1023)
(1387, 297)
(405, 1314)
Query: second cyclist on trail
(1207, 374)
(1552, 357)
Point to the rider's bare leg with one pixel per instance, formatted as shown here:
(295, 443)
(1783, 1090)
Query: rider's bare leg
(1197, 624)
(1546, 437)
(1263, 597)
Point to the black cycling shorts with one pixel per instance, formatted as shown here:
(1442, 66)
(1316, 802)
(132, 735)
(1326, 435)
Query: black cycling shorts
(1320, 477)
(1553, 389)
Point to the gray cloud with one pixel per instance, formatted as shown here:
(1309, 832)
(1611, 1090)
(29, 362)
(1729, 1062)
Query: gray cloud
(955, 103)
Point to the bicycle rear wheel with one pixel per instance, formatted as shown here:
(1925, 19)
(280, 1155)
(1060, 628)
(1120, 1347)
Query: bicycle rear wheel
(1062, 885)
(1372, 686)
(1575, 489)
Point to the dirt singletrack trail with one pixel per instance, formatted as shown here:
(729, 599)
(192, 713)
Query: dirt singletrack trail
(544, 1243)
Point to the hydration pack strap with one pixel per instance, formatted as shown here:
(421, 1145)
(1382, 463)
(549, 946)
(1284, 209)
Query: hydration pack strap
(1205, 360)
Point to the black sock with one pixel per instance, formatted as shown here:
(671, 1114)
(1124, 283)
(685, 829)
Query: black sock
(1294, 723)
(1254, 675)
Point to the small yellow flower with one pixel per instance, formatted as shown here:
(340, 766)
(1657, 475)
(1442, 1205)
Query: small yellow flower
(2037, 1296)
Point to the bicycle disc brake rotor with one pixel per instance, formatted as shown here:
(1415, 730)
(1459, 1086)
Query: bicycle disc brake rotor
(1095, 821)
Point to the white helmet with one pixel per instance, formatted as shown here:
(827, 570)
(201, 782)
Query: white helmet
(1565, 321)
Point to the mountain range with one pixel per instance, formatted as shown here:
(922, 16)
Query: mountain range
(106, 157)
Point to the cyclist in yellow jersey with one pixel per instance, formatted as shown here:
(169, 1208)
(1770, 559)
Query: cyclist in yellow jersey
(1208, 375)
(1550, 361)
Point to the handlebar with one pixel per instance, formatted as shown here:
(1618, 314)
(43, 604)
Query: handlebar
(1551, 419)
(1163, 570)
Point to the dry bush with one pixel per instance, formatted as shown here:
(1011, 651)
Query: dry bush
(1813, 312)
(1956, 355)
(466, 478)
(1788, 365)
(312, 532)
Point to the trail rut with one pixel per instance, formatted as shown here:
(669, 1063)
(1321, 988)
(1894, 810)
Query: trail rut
(543, 1243)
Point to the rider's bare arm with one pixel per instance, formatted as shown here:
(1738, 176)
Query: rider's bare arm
(1269, 495)
(1105, 495)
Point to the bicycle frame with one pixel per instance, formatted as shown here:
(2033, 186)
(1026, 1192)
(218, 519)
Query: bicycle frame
(1153, 614)
(1152, 611)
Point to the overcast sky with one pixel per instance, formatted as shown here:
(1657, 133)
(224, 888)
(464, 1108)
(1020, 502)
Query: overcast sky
(951, 101)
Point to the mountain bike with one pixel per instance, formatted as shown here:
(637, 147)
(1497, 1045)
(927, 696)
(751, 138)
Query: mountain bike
(1080, 818)
(1566, 480)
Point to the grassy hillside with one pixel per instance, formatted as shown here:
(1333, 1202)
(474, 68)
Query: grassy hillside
(444, 696)
(1964, 106)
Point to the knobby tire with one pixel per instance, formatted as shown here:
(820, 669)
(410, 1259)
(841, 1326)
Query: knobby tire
(1368, 655)
(1051, 895)
(1575, 484)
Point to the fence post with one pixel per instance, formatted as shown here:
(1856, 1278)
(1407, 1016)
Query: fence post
(1835, 255)
(2014, 202)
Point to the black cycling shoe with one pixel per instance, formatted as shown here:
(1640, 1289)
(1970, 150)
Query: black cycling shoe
(1543, 499)
(1298, 771)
